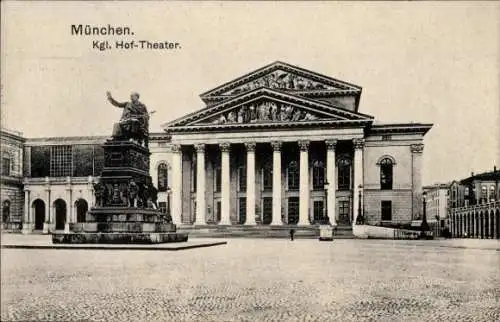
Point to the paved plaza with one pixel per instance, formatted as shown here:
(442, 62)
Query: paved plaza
(258, 280)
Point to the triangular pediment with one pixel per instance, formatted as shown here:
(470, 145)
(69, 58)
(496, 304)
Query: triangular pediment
(267, 106)
(282, 76)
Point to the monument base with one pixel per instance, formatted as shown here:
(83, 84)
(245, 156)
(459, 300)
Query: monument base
(119, 238)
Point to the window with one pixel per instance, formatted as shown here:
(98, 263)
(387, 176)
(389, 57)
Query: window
(344, 174)
(218, 179)
(243, 210)
(162, 206)
(5, 164)
(386, 137)
(318, 208)
(318, 175)
(267, 210)
(267, 178)
(492, 193)
(162, 177)
(386, 210)
(6, 211)
(484, 193)
(61, 161)
(293, 175)
(83, 160)
(242, 179)
(386, 174)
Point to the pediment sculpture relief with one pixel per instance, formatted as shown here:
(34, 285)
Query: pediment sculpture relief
(280, 80)
(264, 112)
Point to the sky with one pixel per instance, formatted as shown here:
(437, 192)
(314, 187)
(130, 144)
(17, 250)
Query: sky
(426, 62)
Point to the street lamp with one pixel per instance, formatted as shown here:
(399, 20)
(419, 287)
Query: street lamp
(425, 225)
(360, 220)
(326, 219)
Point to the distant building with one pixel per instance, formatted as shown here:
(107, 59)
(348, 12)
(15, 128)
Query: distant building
(11, 187)
(436, 201)
(474, 204)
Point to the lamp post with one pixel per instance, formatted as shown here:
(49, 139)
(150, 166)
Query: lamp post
(326, 219)
(425, 225)
(360, 220)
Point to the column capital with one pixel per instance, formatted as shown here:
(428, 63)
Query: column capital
(276, 145)
(224, 147)
(331, 144)
(200, 148)
(417, 148)
(303, 145)
(358, 143)
(175, 147)
(250, 146)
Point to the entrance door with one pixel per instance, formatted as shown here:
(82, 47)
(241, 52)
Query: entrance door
(318, 208)
(293, 210)
(60, 208)
(344, 211)
(39, 208)
(267, 210)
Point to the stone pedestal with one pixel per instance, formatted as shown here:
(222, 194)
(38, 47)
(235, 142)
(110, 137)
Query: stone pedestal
(117, 217)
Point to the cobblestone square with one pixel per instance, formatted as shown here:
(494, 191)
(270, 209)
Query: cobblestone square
(257, 280)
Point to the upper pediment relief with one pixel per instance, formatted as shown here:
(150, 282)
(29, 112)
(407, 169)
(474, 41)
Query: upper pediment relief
(282, 80)
(283, 77)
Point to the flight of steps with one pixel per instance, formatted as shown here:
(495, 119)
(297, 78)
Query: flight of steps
(242, 231)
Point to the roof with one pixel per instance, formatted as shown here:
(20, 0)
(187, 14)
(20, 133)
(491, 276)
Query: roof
(485, 176)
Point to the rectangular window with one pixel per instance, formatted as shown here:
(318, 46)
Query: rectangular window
(293, 177)
(61, 161)
(386, 206)
(318, 210)
(5, 166)
(40, 161)
(83, 158)
(386, 137)
(267, 178)
(318, 178)
(242, 210)
(267, 210)
(162, 206)
(242, 179)
(218, 180)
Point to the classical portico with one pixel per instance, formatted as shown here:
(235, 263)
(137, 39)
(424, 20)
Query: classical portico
(286, 146)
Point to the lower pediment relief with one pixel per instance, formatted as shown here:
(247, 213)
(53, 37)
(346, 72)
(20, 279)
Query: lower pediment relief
(267, 111)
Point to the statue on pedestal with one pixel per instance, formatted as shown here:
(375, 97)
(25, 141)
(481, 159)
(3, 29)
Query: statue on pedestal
(134, 122)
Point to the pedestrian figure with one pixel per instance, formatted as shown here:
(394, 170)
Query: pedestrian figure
(292, 232)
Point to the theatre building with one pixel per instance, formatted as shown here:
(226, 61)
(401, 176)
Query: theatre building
(278, 146)
(284, 145)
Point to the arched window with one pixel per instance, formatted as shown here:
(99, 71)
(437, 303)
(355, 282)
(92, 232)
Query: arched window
(5, 211)
(6, 164)
(162, 177)
(386, 166)
(344, 173)
(318, 175)
(293, 175)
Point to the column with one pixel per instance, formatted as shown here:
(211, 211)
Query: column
(200, 184)
(176, 184)
(276, 220)
(48, 202)
(27, 222)
(358, 175)
(332, 181)
(304, 183)
(416, 175)
(225, 184)
(70, 207)
(250, 146)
